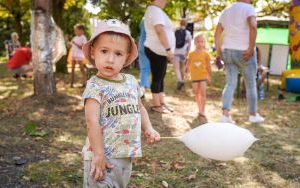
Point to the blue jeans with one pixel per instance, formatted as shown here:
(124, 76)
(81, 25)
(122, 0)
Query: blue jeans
(144, 69)
(234, 64)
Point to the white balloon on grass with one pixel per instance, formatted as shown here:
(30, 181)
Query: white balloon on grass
(218, 141)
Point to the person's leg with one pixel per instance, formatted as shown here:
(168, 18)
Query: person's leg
(164, 65)
(118, 176)
(83, 73)
(73, 72)
(182, 69)
(156, 71)
(144, 69)
(231, 82)
(196, 88)
(202, 94)
(176, 65)
(249, 73)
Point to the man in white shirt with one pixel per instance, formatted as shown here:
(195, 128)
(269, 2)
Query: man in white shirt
(238, 24)
(183, 44)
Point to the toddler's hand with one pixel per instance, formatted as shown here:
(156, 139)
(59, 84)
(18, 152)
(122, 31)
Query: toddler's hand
(98, 167)
(209, 80)
(152, 136)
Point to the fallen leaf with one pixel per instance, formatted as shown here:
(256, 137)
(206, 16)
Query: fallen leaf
(165, 184)
(137, 174)
(177, 165)
(191, 177)
(164, 165)
(153, 167)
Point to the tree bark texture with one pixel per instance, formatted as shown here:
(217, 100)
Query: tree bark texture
(41, 27)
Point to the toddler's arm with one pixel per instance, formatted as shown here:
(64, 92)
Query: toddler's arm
(209, 69)
(151, 134)
(95, 135)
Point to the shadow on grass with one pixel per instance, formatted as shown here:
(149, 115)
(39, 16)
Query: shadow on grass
(55, 160)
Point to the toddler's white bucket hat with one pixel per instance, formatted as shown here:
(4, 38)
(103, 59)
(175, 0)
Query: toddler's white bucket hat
(112, 25)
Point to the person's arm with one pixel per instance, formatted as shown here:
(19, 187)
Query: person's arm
(95, 135)
(259, 61)
(252, 37)
(189, 41)
(209, 68)
(218, 41)
(79, 46)
(162, 36)
(151, 134)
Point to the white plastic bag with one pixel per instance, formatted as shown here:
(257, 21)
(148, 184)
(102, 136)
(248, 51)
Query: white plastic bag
(218, 141)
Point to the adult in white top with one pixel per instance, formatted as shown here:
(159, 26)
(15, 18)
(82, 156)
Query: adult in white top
(238, 24)
(159, 46)
(154, 18)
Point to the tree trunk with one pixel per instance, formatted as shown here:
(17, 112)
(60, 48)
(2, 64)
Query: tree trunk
(58, 9)
(44, 82)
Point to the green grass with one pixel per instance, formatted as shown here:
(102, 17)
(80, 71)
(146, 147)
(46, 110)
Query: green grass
(55, 160)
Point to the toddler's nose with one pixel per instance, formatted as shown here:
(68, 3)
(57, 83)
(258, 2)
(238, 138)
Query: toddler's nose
(111, 58)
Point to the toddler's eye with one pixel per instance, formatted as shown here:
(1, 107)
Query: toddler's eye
(119, 54)
(103, 51)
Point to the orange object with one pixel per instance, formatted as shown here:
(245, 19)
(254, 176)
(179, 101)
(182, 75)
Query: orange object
(69, 58)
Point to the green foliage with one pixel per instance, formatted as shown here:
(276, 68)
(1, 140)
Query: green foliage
(130, 11)
(31, 129)
(15, 16)
(73, 15)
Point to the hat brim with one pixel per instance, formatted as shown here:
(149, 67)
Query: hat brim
(86, 48)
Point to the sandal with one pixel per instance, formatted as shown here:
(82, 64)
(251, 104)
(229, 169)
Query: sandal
(167, 107)
(202, 118)
(159, 109)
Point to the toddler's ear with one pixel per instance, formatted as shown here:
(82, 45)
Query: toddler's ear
(92, 52)
(128, 55)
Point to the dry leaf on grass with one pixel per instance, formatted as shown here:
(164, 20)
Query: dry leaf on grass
(164, 164)
(192, 176)
(177, 165)
(153, 167)
(165, 184)
(137, 174)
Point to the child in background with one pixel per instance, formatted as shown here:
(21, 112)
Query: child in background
(115, 115)
(199, 67)
(77, 54)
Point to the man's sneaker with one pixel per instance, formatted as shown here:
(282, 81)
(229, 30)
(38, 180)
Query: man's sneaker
(226, 119)
(256, 119)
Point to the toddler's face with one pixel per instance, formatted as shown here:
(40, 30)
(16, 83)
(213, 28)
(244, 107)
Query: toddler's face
(110, 53)
(77, 31)
(199, 42)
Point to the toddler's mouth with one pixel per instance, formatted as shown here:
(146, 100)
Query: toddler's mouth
(108, 68)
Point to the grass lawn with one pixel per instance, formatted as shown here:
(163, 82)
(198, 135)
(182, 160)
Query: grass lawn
(53, 159)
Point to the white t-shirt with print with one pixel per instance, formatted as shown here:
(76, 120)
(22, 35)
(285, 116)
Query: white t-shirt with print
(155, 16)
(120, 116)
(235, 24)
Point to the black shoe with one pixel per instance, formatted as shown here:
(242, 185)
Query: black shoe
(16, 76)
(179, 85)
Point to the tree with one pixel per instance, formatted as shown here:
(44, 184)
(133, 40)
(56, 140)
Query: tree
(41, 28)
(17, 9)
